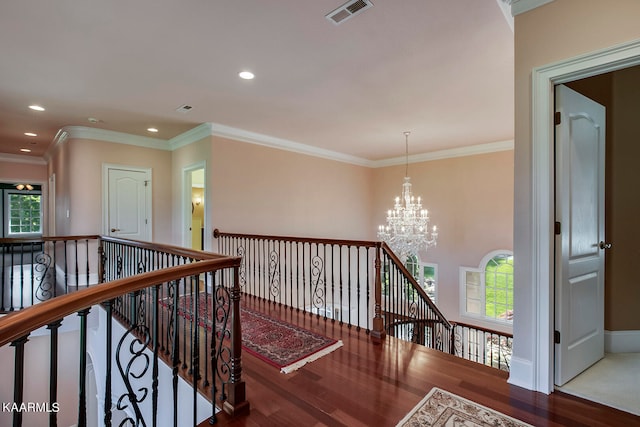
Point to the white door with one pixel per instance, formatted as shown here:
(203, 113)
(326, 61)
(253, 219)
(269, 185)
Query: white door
(580, 154)
(128, 203)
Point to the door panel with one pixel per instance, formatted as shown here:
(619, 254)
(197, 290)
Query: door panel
(580, 151)
(128, 209)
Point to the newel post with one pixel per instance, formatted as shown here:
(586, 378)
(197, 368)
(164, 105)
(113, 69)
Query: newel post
(236, 402)
(377, 333)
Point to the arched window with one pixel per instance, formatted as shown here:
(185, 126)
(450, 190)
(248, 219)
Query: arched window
(487, 291)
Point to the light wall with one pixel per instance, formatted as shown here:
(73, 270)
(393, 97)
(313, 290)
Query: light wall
(11, 171)
(263, 190)
(78, 163)
(470, 199)
(556, 31)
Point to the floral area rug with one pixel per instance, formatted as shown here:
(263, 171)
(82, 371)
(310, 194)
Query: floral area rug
(278, 343)
(441, 408)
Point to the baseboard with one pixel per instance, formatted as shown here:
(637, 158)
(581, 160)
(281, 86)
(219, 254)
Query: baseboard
(622, 341)
(521, 373)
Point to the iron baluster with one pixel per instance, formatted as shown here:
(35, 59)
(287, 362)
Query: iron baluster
(82, 375)
(53, 371)
(18, 378)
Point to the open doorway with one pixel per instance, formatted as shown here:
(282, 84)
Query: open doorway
(607, 380)
(194, 207)
(538, 373)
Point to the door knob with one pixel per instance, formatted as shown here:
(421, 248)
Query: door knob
(603, 245)
(113, 230)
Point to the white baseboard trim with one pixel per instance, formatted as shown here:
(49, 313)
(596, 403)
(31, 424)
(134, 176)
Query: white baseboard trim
(521, 373)
(622, 341)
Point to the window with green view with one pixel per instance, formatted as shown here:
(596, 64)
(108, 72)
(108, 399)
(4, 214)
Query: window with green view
(24, 213)
(488, 290)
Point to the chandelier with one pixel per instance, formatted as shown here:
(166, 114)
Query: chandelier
(407, 230)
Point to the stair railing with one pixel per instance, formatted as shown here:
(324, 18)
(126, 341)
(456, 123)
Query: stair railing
(156, 304)
(37, 269)
(409, 313)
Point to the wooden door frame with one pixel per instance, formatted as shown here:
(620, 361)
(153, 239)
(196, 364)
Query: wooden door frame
(537, 374)
(106, 167)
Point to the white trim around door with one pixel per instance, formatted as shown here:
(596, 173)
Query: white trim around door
(538, 375)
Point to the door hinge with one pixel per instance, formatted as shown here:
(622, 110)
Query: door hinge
(557, 119)
(556, 337)
(146, 183)
(146, 221)
(557, 228)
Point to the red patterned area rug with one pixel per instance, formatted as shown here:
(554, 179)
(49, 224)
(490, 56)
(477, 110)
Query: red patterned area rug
(441, 408)
(281, 344)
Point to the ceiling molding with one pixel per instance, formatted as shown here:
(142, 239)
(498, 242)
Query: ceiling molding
(471, 150)
(206, 130)
(189, 137)
(284, 144)
(17, 158)
(505, 7)
(82, 132)
(522, 6)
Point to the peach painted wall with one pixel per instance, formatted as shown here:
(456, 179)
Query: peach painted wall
(470, 199)
(78, 168)
(556, 31)
(27, 171)
(263, 190)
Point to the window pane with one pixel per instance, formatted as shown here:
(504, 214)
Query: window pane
(499, 287)
(24, 213)
(473, 306)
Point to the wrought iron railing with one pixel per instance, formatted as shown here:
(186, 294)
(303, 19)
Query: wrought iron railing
(409, 313)
(481, 345)
(38, 269)
(324, 277)
(157, 295)
(366, 282)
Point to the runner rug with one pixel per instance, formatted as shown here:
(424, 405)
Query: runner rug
(441, 408)
(278, 343)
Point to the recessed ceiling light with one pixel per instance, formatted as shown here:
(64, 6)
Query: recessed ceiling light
(25, 150)
(154, 130)
(247, 75)
(36, 107)
(31, 134)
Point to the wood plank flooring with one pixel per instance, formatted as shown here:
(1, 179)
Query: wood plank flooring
(364, 384)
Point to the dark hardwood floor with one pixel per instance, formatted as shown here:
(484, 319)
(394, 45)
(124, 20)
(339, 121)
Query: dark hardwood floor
(364, 384)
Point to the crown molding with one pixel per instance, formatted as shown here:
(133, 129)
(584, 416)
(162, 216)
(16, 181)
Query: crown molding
(471, 150)
(522, 6)
(206, 130)
(82, 132)
(199, 132)
(284, 144)
(17, 158)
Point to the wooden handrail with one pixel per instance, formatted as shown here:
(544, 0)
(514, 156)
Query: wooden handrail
(481, 329)
(169, 249)
(416, 286)
(365, 243)
(14, 240)
(18, 324)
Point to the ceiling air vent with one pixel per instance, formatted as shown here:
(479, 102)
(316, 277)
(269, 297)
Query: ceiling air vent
(184, 108)
(348, 10)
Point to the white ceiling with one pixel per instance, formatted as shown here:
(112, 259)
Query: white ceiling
(440, 68)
